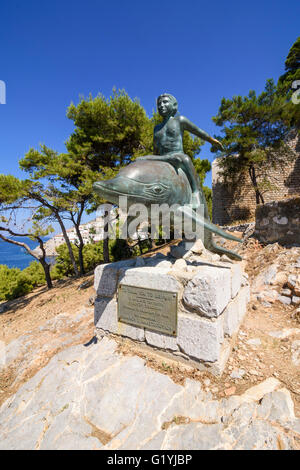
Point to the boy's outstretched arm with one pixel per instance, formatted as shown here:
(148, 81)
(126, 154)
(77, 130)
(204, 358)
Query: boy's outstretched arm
(187, 125)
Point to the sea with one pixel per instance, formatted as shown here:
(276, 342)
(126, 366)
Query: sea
(15, 256)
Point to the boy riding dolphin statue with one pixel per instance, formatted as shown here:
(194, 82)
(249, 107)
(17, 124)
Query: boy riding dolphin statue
(168, 177)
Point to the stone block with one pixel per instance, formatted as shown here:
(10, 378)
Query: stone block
(284, 300)
(106, 277)
(149, 277)
(199, 338)
(291, 282)
(235, 311)
(209, 292)
(297, 287)
(161, 341)
(106, 319)
(236, 279)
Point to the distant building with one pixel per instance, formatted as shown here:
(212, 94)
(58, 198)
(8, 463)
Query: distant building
(91, 232)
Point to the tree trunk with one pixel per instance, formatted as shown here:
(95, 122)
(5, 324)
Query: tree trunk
(80, 254)
(105, 244)
(41, 260)
(80, 249)
(258, 196)
(77, 223)
(46, 268)
(65, 235)
(55, 212)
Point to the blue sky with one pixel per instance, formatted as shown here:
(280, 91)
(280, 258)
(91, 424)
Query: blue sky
(52, 52)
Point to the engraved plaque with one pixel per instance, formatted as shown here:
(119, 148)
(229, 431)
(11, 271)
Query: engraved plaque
(148, 308)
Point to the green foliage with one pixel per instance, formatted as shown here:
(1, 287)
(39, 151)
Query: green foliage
(119, 249)
(9, 285)
(12, 189)
(92, 255)
(15, 283)
(109, 131)
(292, 68)
(35, 273)
(287, 85)
(208, 196)
(253, 129)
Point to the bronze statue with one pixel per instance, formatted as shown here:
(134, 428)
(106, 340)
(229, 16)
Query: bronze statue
(168, 141)
(168, 177)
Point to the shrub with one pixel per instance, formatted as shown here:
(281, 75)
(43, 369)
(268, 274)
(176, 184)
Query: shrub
(15, 283)
(92, 256)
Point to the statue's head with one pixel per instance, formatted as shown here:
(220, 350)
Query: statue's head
(167, 105)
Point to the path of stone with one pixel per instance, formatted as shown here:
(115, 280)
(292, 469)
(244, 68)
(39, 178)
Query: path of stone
(92, 397)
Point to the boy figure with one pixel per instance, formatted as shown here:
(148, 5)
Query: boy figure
(168, 145)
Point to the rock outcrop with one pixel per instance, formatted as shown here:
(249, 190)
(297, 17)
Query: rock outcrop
(94, 398)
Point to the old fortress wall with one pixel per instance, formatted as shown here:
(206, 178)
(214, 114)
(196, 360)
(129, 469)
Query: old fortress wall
(232, 203)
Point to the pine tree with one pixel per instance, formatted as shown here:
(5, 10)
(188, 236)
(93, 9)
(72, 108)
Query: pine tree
(254, 132)
(289, 86)
(15, 199)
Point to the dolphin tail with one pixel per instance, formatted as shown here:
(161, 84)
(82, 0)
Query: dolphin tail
(209, 243)
(223, 251)
(207, 224)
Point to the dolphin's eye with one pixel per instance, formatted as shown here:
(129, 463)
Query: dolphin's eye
(157, 189)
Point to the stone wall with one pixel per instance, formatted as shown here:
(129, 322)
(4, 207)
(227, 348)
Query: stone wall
(230, 204)
(279, 221)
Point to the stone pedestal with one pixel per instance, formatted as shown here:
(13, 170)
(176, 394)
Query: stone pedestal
(213, 296)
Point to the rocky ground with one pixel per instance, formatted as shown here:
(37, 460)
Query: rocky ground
(60, 388)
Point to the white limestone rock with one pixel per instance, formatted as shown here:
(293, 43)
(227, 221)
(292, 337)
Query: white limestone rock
(277, 406)
(180, 264)
(160, 340)
(295, 348)
(295, 300)
(106, 277)
(235, 311)
(284, 300)
(258, 391)
(236, 279)
(200, 338)
(209, 292)
(198, 247)
(106, 319)
(149, 277)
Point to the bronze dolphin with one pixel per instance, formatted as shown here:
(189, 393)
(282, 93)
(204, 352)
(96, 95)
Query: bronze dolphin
(157, 182)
